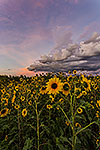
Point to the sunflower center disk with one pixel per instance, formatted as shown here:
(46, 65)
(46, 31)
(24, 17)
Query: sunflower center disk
(3, 111)
(43, 88)
(54, 86)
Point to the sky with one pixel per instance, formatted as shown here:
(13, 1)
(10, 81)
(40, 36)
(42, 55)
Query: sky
(49, 35)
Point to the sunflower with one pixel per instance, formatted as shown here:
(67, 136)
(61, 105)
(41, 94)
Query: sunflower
(21, 79)
(84, 92)
(69, 72)
(67, 123)
(80, 110)
(77, 125)
(6, 137)
(24, 112)
(3, 99)
(54, 85)
(6, 102)
(92, 106)
(57, 107)
(98, 102)
(79, 95)
(13, 99)
(61, 100)
(49, 106)
(97, 114)
(16, 88)
(22, 98)
(69, 78)
(17, 106)
(86, 84)
(51, 98)
(43, 90)
(14, 92)
(30, 102)
(66, 88)
(97, 141)
(4, 112)
(74, 72)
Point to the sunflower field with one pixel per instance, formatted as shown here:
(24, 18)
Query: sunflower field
(50, 112)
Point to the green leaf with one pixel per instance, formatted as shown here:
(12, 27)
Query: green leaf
(64, 139)
(28, 144)
(61, 147)
(10, 142)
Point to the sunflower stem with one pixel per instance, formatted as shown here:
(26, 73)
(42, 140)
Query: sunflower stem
(85, 127)
(73, 119)
(73, 128)
(65, 116)
(19, 130)
(38, 137)
(69, 124)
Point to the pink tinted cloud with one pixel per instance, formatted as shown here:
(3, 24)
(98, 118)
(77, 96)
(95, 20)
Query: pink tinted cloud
(17, 72)
(24, 71)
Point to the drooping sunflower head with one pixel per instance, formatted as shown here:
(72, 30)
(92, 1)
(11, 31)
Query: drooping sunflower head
(4, 112)
(66, 88)
(54, 85)
(77, 125)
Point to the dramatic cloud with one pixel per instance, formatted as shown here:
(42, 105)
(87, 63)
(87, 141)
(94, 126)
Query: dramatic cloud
(29, 29)
(90, 47)
(83, 56)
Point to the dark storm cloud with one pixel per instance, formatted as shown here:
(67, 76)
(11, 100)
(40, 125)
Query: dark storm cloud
(85, 56)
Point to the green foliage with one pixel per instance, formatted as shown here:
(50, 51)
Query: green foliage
(28, 144)
(51, 121)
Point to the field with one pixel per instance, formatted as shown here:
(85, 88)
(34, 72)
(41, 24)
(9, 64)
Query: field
(50, 112)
